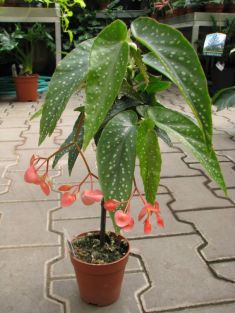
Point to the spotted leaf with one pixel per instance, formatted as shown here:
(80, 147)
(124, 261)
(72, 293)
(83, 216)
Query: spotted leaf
(107, 68)
(116, 153)
(181, 63)
(224, 98)
(184, 129)
(149, 155)
(68, 77)
(72, 150)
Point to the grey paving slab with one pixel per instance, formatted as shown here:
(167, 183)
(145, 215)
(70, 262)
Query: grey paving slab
(67, 290)
(7, 149)
(20, 217)
(191, 193)
(231, 194)
(32, 143)
(180, 278)
(4, 167)
(210, 308)
(225, 269)
(11, 121)
(220, 234)
(228, 169)
(23, 280)
(12, 134)
(222, 142)
(230, 154)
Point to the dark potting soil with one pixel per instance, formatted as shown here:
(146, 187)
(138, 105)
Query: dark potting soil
(87, 248)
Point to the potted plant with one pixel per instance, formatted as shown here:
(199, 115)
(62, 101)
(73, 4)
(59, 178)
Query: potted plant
(214, 5)
(178, 7)
(21, 44)
(125, 118)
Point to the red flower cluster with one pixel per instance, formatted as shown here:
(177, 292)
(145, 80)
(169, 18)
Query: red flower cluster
(124, 219)
(70, 193)
(32, 176)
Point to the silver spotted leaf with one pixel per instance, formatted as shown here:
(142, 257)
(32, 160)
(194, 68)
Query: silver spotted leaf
(181, 62)
(184, 129)
(107, 68)
(116, 153)
(72, 149)
(149, 155)
(67, 78)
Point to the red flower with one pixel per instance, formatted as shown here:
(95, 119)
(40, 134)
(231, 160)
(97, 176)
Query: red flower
(122, 219)
(68, 199)
(90, 196)
(31, 176)
(111, 205)
(148, 209)
(129, 226)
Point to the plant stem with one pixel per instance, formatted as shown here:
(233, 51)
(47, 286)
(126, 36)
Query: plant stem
(102, 224)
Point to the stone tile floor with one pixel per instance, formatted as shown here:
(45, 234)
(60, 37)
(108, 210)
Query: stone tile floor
(189, 266)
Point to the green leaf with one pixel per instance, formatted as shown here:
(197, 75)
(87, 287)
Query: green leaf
(151, 60)
(116, 153)
(163, 135)
(224, 98)
(107, 68)
(68, 77)
(149, 155)
(181, 64)
(37, 114)
(184, 129)
(72, 150)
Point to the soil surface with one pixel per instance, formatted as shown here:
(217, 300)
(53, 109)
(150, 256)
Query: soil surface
(87, 248)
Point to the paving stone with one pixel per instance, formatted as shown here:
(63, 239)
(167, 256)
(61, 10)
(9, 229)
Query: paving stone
(165, 148)
(188, 197)
(222, 123)
(189, 158)
(231, 194)
(228, 169)
(4, 167)
(11, 134)
(230, 154)
(10, 122)
(20, 217)
(21, 191)
(7, 150)
(68, 290)
(225, 269)
(180, 278)
(216, 226)
(23, 280)
(222, 142)
(210, 308)
(32, 143)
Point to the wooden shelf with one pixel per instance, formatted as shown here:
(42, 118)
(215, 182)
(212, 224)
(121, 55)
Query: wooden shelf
(34, 15)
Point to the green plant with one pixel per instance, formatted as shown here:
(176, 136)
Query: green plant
(66, 11)
(21, 43)
(124, 116)
(215, 1)
(178, 4)
(224, 98)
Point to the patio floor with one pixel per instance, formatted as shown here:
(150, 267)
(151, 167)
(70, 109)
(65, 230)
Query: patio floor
(188, 266)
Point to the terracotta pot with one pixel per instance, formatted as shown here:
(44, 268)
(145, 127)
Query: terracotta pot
(100, 284)
(214, 7)
(26, 88)
(179, 11)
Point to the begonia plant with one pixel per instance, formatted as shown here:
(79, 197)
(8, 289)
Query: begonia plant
(122, 71)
